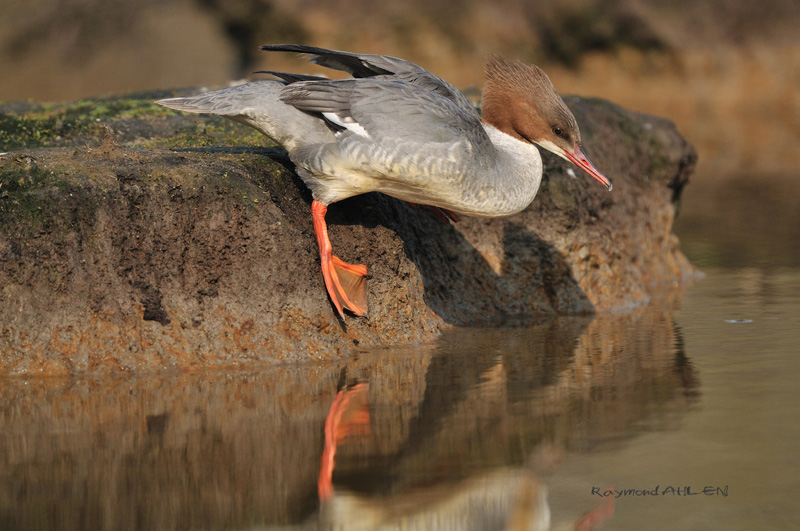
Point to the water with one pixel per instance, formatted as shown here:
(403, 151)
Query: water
(687, 407)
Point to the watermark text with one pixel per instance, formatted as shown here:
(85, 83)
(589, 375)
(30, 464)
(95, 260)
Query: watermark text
(658, 490)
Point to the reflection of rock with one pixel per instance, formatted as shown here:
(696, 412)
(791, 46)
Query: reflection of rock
(495, 396)
(161, 453)
(238, 449)
(123, 257)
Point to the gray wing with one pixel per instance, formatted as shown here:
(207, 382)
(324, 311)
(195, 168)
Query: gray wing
(388, 110)
(384, 66)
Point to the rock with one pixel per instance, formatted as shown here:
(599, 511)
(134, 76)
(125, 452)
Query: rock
(134, 239)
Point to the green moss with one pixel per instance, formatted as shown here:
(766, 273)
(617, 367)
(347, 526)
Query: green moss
(252, 138)
(41, 198)
(116, 109)
(135, 119)
(17, 131)
(18, 198)
(212, 131)
(52, 124)
(21, 180)
(196, 137)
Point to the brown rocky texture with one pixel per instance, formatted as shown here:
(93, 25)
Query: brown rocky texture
(126, 245)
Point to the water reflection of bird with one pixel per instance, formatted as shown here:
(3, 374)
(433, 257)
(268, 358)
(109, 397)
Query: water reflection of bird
(507, 499)
(398, 129)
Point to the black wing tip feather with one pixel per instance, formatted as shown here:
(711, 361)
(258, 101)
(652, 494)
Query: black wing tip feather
(291, 78)
(296, 48)
(355, 64)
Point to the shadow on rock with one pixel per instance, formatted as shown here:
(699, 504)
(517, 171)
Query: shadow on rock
(482, 272)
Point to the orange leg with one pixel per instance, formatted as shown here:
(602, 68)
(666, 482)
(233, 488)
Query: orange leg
(348, 415)
(346, 283)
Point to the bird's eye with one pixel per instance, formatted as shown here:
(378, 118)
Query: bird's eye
(557, 131)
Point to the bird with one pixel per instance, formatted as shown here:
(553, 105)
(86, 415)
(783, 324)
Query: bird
(396, 128)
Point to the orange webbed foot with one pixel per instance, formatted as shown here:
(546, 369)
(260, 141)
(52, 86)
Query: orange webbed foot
(346, 283)
(350, 286)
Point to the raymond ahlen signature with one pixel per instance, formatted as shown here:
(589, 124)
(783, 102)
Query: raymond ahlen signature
(669, 490)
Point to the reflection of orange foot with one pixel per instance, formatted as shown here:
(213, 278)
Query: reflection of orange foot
(599, 514)
(349, 415)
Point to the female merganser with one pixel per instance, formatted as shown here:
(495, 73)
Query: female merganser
(398, 129)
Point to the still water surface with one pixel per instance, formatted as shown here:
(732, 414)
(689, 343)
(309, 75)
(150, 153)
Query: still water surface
(686, 409)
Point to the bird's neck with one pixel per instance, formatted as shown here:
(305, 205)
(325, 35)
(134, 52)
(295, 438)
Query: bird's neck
(516, 175)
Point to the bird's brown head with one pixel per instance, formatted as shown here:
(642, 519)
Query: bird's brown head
(521, 101)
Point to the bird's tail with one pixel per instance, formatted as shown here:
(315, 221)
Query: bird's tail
(230, 102)
(258, 104)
